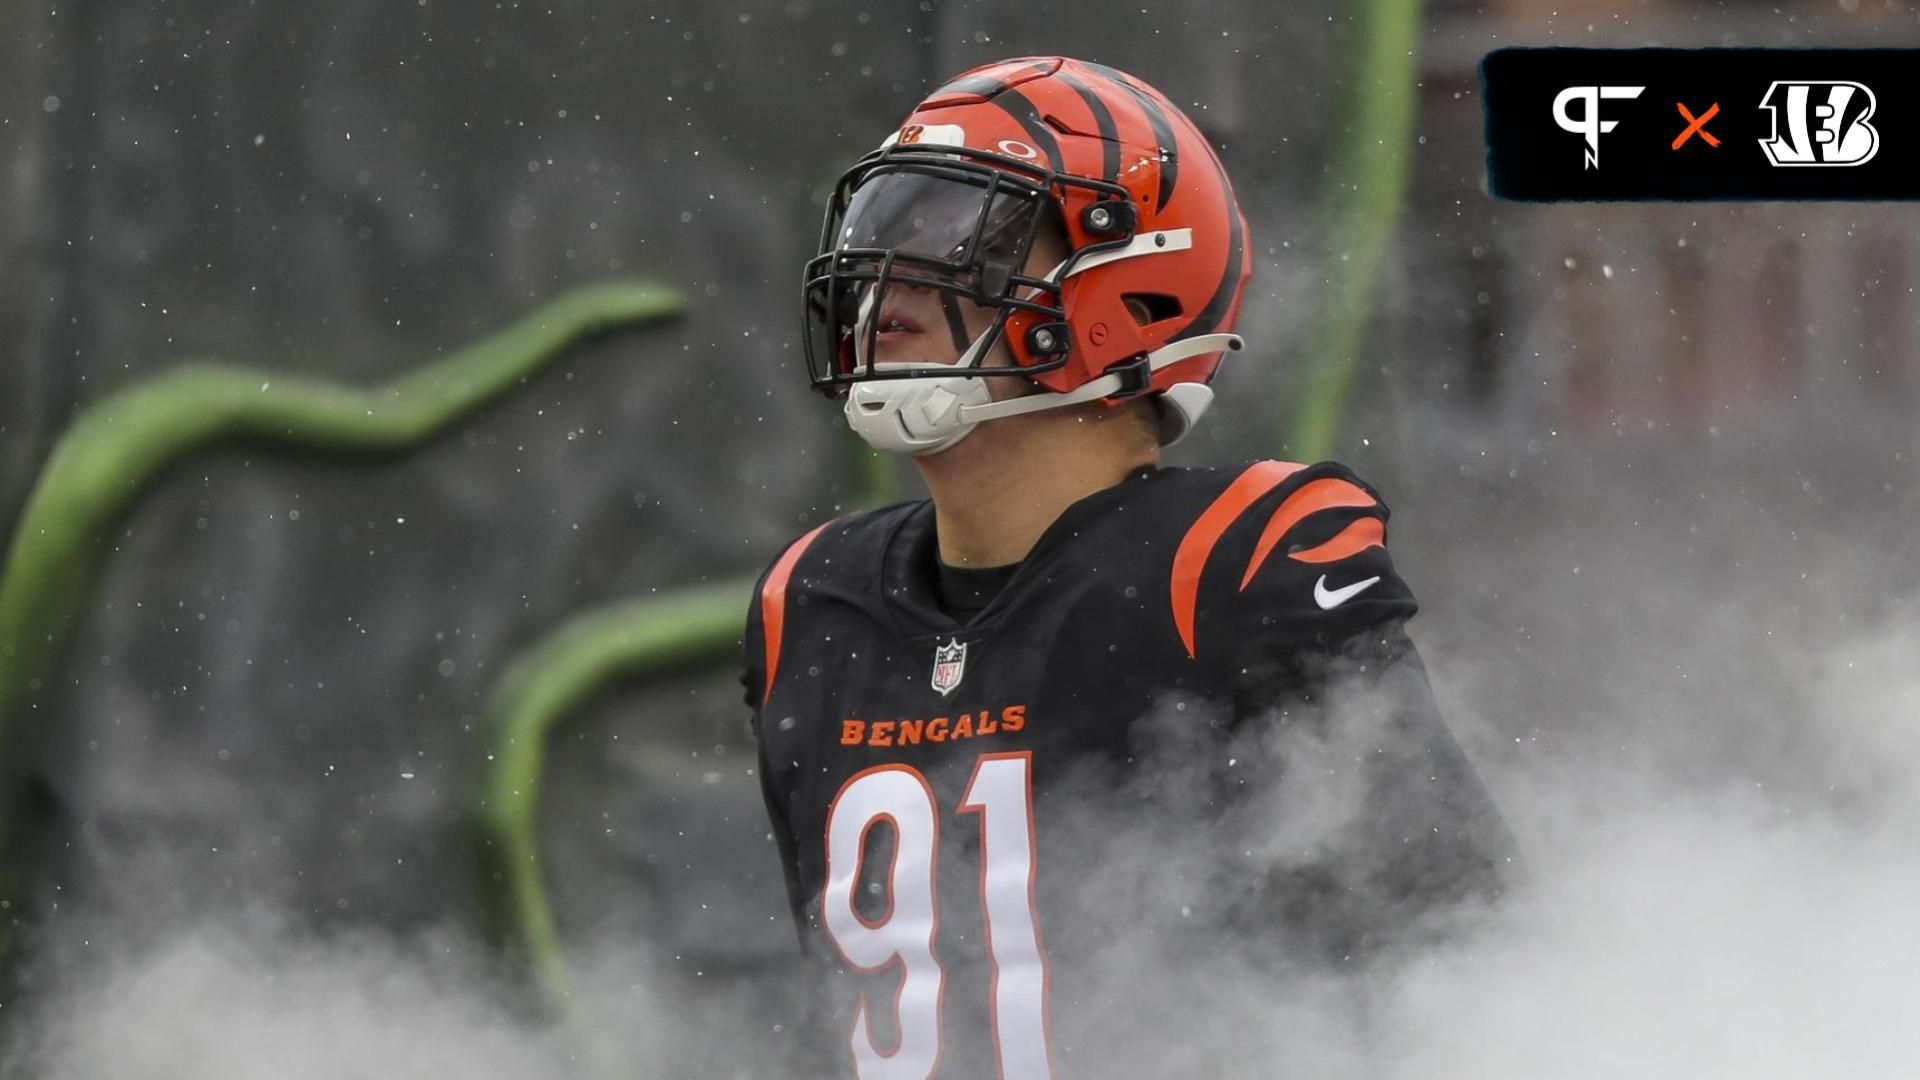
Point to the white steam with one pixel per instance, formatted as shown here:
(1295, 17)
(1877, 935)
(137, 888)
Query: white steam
(1720, 884)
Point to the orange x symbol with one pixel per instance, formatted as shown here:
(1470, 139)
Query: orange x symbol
(1698, 124)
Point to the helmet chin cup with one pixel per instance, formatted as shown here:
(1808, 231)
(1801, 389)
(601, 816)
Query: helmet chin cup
(914, 416)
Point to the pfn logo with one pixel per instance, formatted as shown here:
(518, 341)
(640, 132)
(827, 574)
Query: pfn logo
(1589, 124)
(1826, 124)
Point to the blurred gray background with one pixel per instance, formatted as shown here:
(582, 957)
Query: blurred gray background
(1607, 432)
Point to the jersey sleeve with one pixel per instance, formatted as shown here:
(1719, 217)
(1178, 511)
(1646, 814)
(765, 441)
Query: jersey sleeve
(1332, 701)
(753, 681)
(1317, 572)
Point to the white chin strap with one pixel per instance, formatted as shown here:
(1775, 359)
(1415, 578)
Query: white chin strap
(928, 414)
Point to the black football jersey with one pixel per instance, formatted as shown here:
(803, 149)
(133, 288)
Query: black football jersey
(1004, 838)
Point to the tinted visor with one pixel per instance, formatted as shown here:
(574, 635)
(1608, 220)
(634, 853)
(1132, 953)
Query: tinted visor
(950, 219)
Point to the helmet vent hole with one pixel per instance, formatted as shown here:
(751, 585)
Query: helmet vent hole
(1149, 308)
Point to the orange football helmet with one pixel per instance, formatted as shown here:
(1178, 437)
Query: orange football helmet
(953, 200)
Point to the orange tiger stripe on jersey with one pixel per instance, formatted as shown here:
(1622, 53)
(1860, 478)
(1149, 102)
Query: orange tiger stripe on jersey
(1355, 538)
(1297, 507)
(1191, 557)
(773, 603)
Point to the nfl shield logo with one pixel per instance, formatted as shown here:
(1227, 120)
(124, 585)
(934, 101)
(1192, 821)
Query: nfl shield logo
(949, 664)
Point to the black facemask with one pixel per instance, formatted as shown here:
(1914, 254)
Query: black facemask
(928, 220)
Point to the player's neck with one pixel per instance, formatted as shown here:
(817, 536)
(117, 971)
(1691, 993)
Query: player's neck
(996, 491)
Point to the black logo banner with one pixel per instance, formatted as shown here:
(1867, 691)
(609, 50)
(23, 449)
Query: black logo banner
(1675, 124)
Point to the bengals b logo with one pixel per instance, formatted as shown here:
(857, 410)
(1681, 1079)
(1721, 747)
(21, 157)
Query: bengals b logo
(1820, 123)
(911, 133)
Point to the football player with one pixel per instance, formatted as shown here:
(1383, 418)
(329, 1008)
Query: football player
(1075, 702)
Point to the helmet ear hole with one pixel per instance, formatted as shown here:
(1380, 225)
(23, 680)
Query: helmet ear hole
(1149, 308)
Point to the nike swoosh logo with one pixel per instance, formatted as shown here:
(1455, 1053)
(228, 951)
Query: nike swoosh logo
(1328, 599)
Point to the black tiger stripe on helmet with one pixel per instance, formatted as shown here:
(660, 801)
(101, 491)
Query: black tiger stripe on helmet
(1103, 123)
(1017, 105)
(1163, 137)
(1207, 320)
(990, 82)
